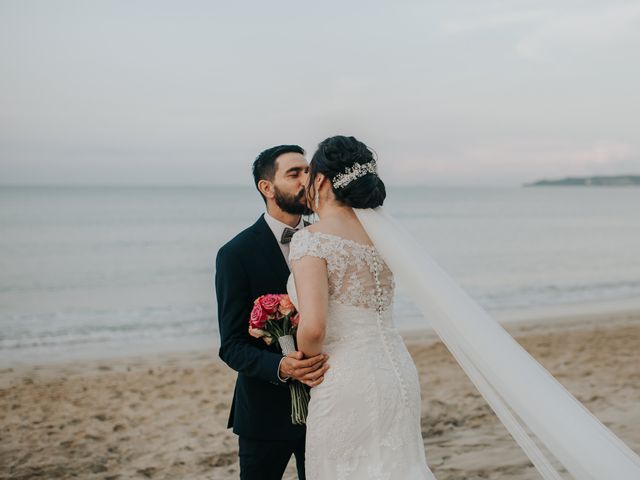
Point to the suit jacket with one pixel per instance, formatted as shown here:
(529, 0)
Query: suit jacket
(250, 265)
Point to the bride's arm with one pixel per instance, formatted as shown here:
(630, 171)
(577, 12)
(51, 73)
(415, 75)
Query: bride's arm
(310, 276)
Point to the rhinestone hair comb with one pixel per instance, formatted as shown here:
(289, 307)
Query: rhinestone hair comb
(356, 171)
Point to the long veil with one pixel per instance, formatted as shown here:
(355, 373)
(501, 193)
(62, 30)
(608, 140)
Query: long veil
(534, 407)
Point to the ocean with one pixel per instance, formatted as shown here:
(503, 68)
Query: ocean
(89, 271)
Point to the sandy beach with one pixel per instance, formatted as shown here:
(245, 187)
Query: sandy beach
(164, 416)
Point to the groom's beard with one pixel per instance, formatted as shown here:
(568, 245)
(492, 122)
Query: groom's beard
(293, 204)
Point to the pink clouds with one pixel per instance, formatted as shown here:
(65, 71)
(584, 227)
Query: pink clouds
(515, 161)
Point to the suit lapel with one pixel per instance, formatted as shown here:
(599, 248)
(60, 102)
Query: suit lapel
(271, 248)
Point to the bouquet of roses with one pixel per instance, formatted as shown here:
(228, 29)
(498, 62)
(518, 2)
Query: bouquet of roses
(274, 317)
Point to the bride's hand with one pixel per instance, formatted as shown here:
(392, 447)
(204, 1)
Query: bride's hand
(309, 371)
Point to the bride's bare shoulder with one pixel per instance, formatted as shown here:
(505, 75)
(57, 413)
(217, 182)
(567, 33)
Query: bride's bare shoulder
(335, 227)
(329, 226)
(314, 228)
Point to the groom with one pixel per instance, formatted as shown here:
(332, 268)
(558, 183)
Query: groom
(254, 263)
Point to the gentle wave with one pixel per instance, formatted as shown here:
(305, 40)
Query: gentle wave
(98, 266)
(88, 327)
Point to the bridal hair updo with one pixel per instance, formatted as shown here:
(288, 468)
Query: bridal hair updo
(335, 156)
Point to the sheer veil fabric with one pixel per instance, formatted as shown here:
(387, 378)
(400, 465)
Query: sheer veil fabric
(549, 424)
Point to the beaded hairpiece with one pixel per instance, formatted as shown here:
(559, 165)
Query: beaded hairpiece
(356, 171)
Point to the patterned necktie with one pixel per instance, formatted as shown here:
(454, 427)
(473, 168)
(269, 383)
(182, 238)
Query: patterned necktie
(287, 234)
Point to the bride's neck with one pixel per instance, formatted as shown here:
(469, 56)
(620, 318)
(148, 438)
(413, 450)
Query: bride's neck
(334, 210)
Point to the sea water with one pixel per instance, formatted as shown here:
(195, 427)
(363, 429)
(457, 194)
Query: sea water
(111, 270)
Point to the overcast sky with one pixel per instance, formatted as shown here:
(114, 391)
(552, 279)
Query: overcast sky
(446, 92)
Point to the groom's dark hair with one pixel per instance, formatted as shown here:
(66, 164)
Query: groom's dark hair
(264, 166)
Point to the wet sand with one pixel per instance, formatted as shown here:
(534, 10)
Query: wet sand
(164, 416)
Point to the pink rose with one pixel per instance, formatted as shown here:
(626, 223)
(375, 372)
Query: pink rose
(258, 317)
(286, 307)
(295, 320)
(270, 302)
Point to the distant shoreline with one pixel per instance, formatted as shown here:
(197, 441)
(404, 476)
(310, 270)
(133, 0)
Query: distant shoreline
(609, 181)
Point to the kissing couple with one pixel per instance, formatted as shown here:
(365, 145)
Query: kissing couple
(363, 416)
(364, 410)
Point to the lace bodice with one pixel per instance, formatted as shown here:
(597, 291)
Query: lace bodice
(369, 363)
(351, 268)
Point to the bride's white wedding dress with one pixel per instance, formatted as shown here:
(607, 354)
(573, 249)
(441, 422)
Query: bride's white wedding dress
(364, 418)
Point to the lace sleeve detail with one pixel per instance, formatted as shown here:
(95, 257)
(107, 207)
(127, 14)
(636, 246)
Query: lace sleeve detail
(350, 267)
(305, 243)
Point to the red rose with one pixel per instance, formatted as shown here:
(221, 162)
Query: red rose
(295, 320)
(258, 317)
(270, 302)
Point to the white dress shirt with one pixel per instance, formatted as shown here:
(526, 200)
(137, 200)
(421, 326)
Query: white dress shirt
(277, 227)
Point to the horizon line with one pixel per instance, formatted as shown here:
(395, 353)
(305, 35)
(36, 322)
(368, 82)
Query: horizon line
(234, 185)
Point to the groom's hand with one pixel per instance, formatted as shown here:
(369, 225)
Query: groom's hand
(309, 371)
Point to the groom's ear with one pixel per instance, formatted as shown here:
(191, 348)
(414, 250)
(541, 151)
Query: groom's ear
(266, 188)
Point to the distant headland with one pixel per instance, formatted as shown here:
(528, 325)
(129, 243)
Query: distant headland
(615, 181)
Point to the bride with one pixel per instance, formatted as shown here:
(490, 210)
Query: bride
(364, 418)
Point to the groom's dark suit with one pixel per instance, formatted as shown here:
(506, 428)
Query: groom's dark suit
(250, 265)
